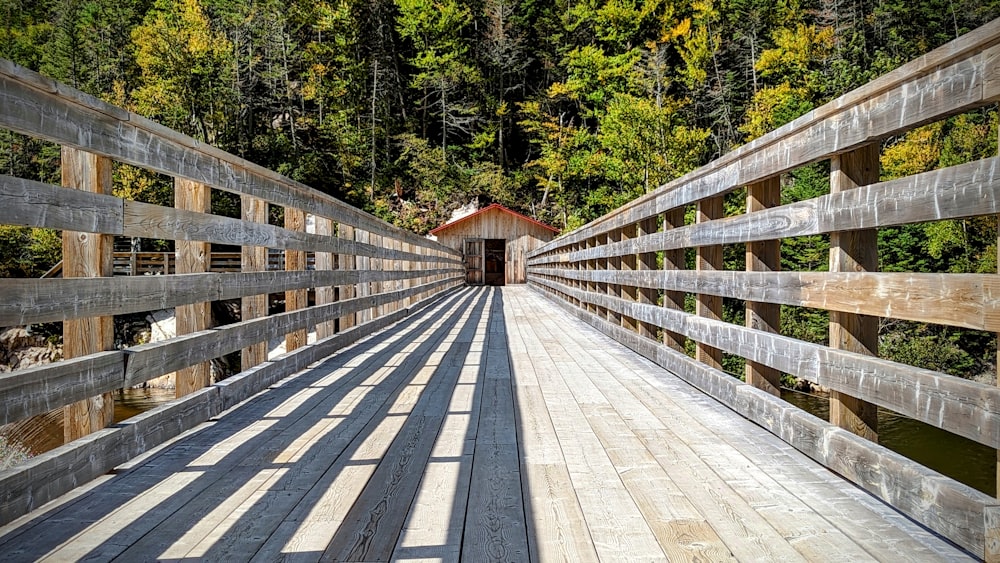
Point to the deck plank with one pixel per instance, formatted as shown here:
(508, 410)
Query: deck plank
(491, 426)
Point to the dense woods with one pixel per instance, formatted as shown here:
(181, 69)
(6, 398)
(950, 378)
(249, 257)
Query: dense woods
(562, 110)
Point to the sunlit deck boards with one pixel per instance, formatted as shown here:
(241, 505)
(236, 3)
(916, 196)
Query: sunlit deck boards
(492, 427)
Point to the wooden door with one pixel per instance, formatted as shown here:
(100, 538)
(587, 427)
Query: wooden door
(474, 261)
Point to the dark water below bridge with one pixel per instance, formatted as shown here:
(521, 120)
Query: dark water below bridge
(959, 458)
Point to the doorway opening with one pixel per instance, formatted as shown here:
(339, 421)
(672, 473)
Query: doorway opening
(494, 261)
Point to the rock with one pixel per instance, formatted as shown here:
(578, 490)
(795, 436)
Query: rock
(19, 349)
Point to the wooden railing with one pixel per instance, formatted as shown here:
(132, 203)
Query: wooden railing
(608, 273)
(367, 274)
(151, 263)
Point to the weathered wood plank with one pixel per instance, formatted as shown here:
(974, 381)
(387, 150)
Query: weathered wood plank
(33, 204)
(31, 301)
(295, 260)
(708, 258)
(87, 255)
(966, 300)
(325, 293)
(854, 251)
(193, 257)
(253, 259)
(959, 191)
(47, 476)
(944, 505)
(154, 221)
(763, 256)
(33, 391)
(151, 360)
(961, 406)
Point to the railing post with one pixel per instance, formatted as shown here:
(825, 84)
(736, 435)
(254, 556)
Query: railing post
(674, 260)
(193, 257)
(647, 262)
(629, 263)
(709, 258)
(763, 256)
(295, 261)
(87, 255)
(854, 251)
(347, 262)
(253, 259)
(364, 266)
(592, 286)
(614, 264)
(324, 294)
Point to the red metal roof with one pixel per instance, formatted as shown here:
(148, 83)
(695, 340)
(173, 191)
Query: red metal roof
(497, 206)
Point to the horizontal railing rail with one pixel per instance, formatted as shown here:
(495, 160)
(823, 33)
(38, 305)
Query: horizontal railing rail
(627, 274)
(363, 274)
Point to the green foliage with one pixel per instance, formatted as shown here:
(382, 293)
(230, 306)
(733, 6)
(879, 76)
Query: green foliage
(28, 252)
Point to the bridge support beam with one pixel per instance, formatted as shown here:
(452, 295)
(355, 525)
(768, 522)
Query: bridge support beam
(193, 257)
(854, 251)
(763, 256)
(709, 258)
(87, 255)
(253, 259)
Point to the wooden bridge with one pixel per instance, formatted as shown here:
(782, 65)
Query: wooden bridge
(415, 419)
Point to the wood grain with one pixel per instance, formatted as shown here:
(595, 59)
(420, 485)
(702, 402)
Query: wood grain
(193, 257)
(708, 258)
(946, 506)
(87, 255)
(763, 256)
(854, 251)
(921, 394)
(253, 259)
(966, 300)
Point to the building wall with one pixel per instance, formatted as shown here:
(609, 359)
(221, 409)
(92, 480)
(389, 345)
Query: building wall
(522, 237)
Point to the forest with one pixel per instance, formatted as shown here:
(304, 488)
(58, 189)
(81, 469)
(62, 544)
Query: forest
(560, 109)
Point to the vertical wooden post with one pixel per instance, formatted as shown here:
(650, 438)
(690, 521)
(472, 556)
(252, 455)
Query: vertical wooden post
(364, 265)
(378, 266)
(87, 255)
(647, 261)
(854, 251)
(193, 257)
(295, 260)
(347, 262)
(324, 294)
(674, 260)
(629, 262)
(253, 259)
(408, 266)
(612, 264)
(592, 286)
(709, 258)
(763, 256)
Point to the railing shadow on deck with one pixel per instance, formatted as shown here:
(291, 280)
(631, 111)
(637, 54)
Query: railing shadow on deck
(282, 496)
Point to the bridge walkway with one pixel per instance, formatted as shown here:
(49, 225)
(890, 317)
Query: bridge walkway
(491, 426)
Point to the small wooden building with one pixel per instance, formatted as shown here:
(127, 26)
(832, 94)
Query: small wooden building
(495, 242)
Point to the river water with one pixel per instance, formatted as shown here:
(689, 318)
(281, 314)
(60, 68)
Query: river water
(959, 458)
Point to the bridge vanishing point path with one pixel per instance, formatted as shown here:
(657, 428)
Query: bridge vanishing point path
(491, 426)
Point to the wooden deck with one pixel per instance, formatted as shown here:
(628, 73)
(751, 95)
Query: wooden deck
(492, 426)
